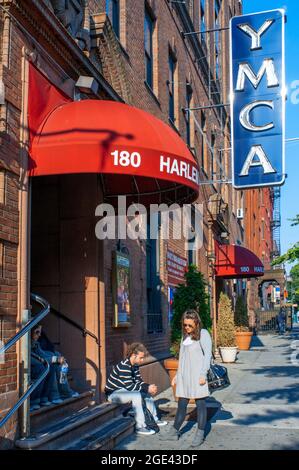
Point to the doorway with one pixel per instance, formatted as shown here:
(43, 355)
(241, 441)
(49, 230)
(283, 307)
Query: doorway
(64, 269)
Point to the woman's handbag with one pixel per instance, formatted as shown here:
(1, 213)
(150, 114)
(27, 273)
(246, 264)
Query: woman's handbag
(217, 376)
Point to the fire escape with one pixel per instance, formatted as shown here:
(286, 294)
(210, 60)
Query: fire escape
(276, 222)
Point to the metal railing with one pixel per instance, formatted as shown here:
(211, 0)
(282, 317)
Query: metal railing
(28, 327)
(76, 325)
(266, 321)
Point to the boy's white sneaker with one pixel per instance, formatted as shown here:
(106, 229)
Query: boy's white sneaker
(145, 431)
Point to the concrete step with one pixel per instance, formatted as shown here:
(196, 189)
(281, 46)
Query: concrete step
(105, 437)
(48, 414)
(64, 431)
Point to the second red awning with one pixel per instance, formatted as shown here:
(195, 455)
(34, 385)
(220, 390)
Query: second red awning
(234, 261)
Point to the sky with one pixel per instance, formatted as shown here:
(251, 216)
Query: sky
(290, 190)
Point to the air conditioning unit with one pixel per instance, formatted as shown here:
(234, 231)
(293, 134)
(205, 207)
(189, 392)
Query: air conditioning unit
(240, 213)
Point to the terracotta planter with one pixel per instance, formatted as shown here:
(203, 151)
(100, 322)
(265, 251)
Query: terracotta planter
(228, 354)
(171, 365)
(243, 339)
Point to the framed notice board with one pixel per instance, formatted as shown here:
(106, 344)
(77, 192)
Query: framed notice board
(121, 273)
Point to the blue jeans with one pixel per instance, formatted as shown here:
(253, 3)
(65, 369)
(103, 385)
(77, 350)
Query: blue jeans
(281, 326)
(125, 396)
(47, 390)
(62, 390)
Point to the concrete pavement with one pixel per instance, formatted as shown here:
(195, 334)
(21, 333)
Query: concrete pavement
(260, 410)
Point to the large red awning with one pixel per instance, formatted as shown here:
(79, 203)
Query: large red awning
(234, 261)
(137, 154)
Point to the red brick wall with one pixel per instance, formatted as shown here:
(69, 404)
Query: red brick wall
(167, 35)
(258, 233)
(10, 73)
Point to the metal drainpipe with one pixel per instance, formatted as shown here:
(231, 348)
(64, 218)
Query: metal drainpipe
(23, 255)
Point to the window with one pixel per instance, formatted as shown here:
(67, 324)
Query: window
(171, 86)
(202, 20)
(187, 114)
(2, 186)
(220, 156)
(112, 10)
(263, 229)
(1, 260)
(154, 314)
(203, 127)
(217, 39)
(191, 252)
(213, 140)
(148, 47)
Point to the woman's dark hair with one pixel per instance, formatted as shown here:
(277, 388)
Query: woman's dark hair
(136, 348)
(36, 327)
(192, 315)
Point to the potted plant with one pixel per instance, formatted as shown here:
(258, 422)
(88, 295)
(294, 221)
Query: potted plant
(242, 332)
(226, 329)
(191, 295)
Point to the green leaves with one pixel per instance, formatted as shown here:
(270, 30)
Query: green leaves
(293, 253)
(191, 295)
(241, 315)
(293, 285)
(289, 257)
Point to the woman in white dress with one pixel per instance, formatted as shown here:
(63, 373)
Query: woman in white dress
(191, 378)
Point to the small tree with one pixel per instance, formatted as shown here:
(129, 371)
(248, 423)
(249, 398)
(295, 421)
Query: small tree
(191, 295)
(225, 325)
(241, 315)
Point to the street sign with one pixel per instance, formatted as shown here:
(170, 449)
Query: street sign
(258, 99)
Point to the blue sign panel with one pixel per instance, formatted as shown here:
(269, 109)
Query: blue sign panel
(258, 99)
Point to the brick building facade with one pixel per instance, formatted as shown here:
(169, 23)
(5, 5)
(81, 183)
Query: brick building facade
(47, 240)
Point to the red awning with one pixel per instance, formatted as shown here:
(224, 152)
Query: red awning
(137, 154)
(234, 261)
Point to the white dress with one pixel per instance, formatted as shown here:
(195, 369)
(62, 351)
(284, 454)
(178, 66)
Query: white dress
(194, 362)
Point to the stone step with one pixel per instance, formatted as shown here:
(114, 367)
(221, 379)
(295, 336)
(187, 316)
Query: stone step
(105, 437)
(48, 414)
(64, 431)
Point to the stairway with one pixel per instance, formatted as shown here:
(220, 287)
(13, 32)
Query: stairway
(78, 423)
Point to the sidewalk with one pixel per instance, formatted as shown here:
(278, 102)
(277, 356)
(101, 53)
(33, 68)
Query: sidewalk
(260, 410)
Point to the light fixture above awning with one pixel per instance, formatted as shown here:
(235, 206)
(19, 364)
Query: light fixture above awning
(235, 262)
(135, 153)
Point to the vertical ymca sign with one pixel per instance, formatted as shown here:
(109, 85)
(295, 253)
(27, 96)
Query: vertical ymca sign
(258, 99)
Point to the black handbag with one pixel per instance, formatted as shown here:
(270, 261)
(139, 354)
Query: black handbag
(148, 417)
(217, 375)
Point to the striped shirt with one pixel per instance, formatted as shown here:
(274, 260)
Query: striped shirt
(124, 375)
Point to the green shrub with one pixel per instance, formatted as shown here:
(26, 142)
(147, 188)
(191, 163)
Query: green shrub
(241, 315)
(225, 324)
(191, 295)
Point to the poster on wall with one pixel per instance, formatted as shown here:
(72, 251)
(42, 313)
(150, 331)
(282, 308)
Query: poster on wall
(121, 289)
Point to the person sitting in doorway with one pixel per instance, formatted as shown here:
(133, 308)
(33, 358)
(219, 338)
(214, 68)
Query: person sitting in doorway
(64, 389)
(48, 392)
(125, 384)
